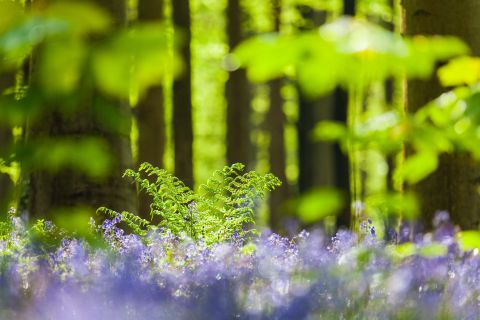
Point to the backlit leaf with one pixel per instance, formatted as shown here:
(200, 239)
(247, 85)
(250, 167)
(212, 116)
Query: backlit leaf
(418, 167)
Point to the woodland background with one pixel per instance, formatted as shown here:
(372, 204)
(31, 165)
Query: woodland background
(68, 133)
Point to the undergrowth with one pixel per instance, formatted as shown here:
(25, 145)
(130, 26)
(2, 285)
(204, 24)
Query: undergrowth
(221, 210)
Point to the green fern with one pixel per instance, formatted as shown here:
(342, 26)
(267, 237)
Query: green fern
(221, 209)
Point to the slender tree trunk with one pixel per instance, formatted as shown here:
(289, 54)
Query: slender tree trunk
(277, 151)
(342, 167)
(454, 186)
(237, 94)
(65, 189)
(150, 112)
(7, 81)
(315, 158)
(182, 99)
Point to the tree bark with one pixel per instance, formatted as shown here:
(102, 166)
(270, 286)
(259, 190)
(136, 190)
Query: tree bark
(67, 188)
(150, 112)
(182, 100)
(342, 167)
(7, 81)
(454, 186)
(237, 94)
(277, 151)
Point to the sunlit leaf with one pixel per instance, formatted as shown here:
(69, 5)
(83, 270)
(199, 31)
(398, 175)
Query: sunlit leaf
(319, 204)
(347, 52)
(418, 167)
(459, 71)
(134, 60)
(86, 155)
(401, 251)
(59, 70)
(469, 240)
(74, 220)
(81, 17)
(330, 131)
(12, 13)
(18, 41)
(432, 250)
(399, 204)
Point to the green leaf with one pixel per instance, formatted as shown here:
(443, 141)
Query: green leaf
(12, 13)
(81, 17)
(330, 131)
(60, 70)
(401, 251)
(459, 71)
(432, 250)
(18, 41)
(398, 204)
(319, 204)
(87, 155)
(347, 52)
(418, 166)
(469, 240)
(75, 220)
(134, 60)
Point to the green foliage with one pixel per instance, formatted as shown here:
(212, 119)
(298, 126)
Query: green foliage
(390, 203)
(118, 62)
(219, 211)
(469, 240)
(348, 52)
(318, 204)
(135, 59)
(87, 155)
(460, 71)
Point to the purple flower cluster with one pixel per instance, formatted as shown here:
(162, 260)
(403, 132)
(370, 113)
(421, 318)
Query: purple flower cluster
(309, 276)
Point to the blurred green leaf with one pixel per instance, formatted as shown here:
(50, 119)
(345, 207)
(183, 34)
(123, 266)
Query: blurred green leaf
(469, 240)
(399, 204)
(17, 42)
(459, 71)
(432, 250)
(401, 251)
(418, 167)
(59, 70)
(134, 60)
(14, 112)
(86, 155)
(381, 9)
(75, 220)
(347, 52)
(319, 204)
(12, 13)
(330, 131)
(81, 17)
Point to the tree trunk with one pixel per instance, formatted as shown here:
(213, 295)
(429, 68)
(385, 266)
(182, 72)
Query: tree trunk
(342, 167)
(7, 81)
(277, 151)
(182, 100)
(150, 112)
(316, 159)
(237, 94)
(454, 186)
(66, 189)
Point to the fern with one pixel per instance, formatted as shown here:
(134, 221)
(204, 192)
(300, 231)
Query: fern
(221, 210)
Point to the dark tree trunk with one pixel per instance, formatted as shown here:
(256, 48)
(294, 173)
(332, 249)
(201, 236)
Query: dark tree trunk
(182, 100)
(315, 158)
(342, 167)
(454, 186)
(150, 112)
(66, 189)
(7, 82)
(237, 94)
(277, 151)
